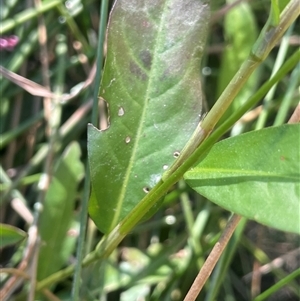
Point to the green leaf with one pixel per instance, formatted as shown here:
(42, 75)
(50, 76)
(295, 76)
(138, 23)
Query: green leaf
(151, 83)
(10, 235)
(275, 13)
(57, 217)
(256, 175)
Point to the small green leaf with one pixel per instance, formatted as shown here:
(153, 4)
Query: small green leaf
(10, 235)
(58, 213)
(275, 13)
(151, 83)
(256, 175)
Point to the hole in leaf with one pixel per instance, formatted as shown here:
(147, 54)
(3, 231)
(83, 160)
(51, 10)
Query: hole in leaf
(104, 114)
(121, 111)
(176, 154)
(146, 189)
(165, 167)
(206, 71)
(127, 139)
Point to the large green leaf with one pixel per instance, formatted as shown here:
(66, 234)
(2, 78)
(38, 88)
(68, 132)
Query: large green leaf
(151, 83)
(58, 213)
(256, 175)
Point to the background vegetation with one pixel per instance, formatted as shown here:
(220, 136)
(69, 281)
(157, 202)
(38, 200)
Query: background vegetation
(44, 163)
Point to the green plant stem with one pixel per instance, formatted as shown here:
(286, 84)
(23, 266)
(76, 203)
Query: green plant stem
(84, 208)
(4, 178)
(24, 182)
(54, 120)
(73, 27)
(262, 119)
(201, 222)
(274, 13)
(26, 15)
(288, 65)
(270, 265)
(110, 241)
(190, 222)
(14, 133)
(288, 97)
(7, 8)
(36, 160)
(102, 31)
(278, 285)
(81, 239)
(265, 43)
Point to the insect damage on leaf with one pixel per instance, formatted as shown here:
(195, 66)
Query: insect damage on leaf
(151, 82)
(121, 111)
(176, 154)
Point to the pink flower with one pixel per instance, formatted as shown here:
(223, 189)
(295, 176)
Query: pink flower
(8, 43)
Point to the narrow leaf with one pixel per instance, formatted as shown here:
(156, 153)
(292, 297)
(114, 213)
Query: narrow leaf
(151, 83)
(58, 213)
(10, 235)
(240, 32)
(256, 175)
